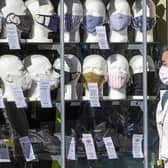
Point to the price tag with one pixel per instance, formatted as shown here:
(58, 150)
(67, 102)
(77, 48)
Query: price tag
(94, 94)
(45, 96)
(13, 39)
(18, 96)
(2, 105)
(102, 37)
(27, 148)
(70, 148)
(110, 148)
(4, 152)
(89, 146)
(137, 146)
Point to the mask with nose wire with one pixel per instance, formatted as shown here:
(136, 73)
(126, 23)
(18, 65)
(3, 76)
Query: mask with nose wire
(90, 22)
(119, 22)
(137, 23)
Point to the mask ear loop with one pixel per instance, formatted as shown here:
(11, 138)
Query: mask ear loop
(10, 20)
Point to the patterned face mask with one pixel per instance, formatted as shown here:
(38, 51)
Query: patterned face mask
(90, 23)
(138, 23)
(119, 22)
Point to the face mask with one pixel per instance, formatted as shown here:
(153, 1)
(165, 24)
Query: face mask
(119, 22)
(91, 77)
(138, 23)
(23, 22)
(90, 23)
(49, 21)
(71, 22)
(163, 74)
(117, 79)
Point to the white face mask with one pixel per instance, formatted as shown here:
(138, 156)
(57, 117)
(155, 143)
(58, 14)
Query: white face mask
(163, 74)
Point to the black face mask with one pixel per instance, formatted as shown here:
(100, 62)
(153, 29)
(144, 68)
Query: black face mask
(68, 76)
(136, 88)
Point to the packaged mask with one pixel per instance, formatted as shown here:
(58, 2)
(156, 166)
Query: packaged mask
(91, 77)
(23, 22)
(138, 23)
(117, 79)
(163, 74)
(49, 21)
(90, 23)
(119, 22)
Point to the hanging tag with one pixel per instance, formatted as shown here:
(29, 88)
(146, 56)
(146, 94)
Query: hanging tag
(70, 148)
(45, 96)
(13, 39)
(2, 105)
(102, 37)
(89, 146)
(4, 152)
(0, 23)
(94, 94)
(137, 146)
(27, 148)
(110, 148)
(18, 96)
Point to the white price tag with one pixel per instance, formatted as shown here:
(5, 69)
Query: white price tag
(18, 96)
(45, 97)
(27, 148)
(70, 148)
(94, 94)
(4, 152)
(102, 37)
(89, 146)
(110, 148)
(2, 105)
(13, 39)
(137, 146)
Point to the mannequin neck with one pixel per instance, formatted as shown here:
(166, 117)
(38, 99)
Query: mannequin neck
(8, 92)
(34, 92)
(121, 36)
(139, 36)
(117, 94)
(100, 90)
(72, 36)
(91, 37)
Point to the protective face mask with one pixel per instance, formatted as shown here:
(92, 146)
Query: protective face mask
(49, 21)
(138, 23)
(163, 74)
(23, 22)
(117, 79)
(71, 22)
(54, 80)
(90, 23)
(119, 22)
(91, 77)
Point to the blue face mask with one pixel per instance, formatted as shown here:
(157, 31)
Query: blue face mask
(90, 23)
(119, 22)
(138, 23)
(71, 22)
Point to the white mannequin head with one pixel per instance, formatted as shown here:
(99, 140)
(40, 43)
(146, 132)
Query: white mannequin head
(72, 71)
(119, 18)
(72, 10)
(94, 70)
(12, 72)
(137, 9)
(136, 65)
(40, 68)
(39, 32)
(118, 76)
(93, 8)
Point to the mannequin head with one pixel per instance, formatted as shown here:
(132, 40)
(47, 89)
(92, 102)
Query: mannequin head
(136, 65)
(12, 72)
(40, 68)
(118, 76)
(36, 7)
(72, 71)
(94, 15)
(137, 9)
(73, 16)
(119, 19)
